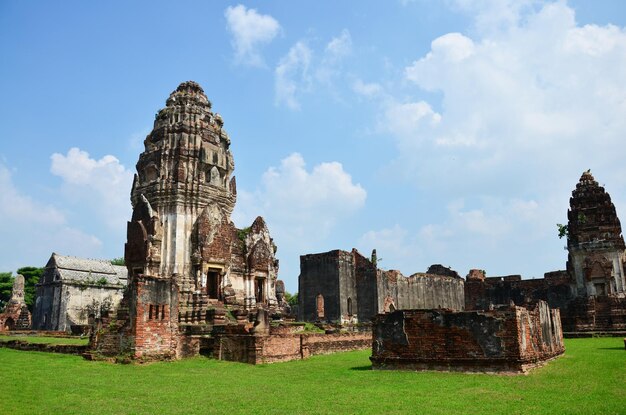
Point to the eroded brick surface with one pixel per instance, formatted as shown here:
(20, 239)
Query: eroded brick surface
(508, 339)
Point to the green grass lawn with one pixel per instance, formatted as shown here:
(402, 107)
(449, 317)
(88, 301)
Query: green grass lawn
(589, 379)
(46, 340)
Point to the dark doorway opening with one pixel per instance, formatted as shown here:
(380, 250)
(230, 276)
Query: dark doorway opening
(259, 289)
(9, 324)
(212, 284)
(600, 288)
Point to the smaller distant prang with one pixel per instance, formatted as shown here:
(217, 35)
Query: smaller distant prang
(591, 292)
(16, 315)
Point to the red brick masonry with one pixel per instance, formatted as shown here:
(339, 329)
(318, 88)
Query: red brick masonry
(284, 347)
(509, 339)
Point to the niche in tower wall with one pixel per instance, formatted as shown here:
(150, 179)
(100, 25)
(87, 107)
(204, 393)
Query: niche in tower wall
(259, 289)
(320, 306)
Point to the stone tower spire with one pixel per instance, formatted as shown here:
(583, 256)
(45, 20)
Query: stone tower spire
(188, 263)
(595, 243)
(186, 166)
(187, 152)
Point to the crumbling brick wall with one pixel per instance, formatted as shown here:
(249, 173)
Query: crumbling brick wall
(508, 339)
(483, 292)
(248, 348)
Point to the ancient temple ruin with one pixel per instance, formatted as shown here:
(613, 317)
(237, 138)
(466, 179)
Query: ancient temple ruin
(591, 292)
(347, 288)
(73, 291)
(595, 243)
(16, 315)
(190, 269)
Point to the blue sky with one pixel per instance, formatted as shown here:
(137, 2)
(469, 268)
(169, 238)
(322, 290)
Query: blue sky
(436, 132)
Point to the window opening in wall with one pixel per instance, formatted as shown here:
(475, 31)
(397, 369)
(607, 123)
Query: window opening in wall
(150, 312)
(349, 306)
(162, 312)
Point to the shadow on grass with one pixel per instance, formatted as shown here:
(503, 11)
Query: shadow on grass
(610, 348)
(368, 367)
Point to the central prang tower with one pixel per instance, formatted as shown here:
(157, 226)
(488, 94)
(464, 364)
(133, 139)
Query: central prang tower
(187, 261)
(186, 167)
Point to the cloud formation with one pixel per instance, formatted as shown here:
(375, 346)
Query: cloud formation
(250, 30)
(530, 96)
(101, 185)
(524, 105)
(34, 229)
(301, 206)
(292, 75)
(299, 72)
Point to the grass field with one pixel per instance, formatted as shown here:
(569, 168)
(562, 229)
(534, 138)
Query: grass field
(47, 340)
(589, 379)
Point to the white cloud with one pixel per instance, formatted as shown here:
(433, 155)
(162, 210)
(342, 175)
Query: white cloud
(470, 235)
(301, 206)
(336, 51)
(491, 16)
(292, 75)
(394, 248)
(408, 119)
(368, 90)
(339, 47)
(250, 31)
(300, 200)
(537, 96)
(298, 72)
(102, 185)
(34, 230)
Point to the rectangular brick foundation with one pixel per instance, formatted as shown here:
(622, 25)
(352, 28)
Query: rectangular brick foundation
(272, 348)
(509, 339)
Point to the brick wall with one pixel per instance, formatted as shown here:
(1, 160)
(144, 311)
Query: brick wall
(252, 349)
(508, 339)
(155, 318)
(556, 289)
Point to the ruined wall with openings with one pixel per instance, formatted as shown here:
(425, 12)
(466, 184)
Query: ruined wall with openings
(352, 289)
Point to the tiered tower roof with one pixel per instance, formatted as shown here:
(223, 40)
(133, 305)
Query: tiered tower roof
(592, 219)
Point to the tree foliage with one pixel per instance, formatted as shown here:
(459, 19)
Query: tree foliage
(6, 286)
(31, 277)
(118, 261)
(563, 230)
(292, 299)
